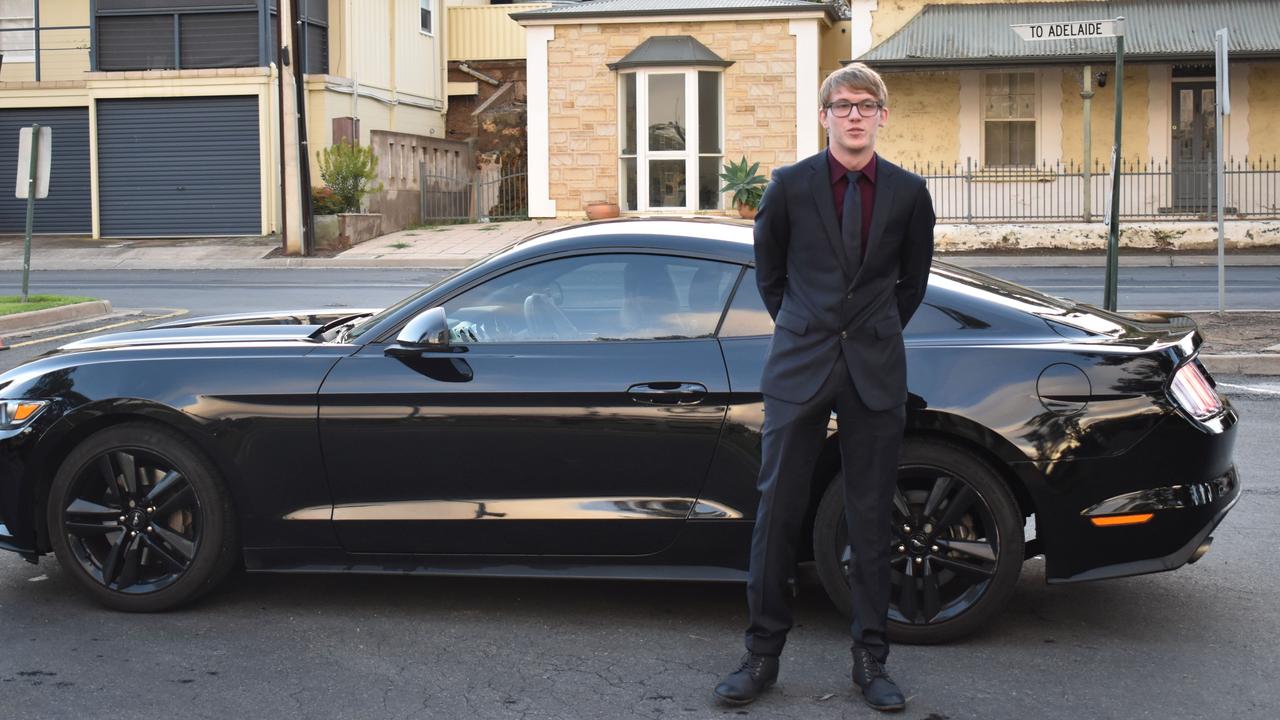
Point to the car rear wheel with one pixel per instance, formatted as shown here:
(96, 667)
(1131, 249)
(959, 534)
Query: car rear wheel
(140, 518)
(957, 544)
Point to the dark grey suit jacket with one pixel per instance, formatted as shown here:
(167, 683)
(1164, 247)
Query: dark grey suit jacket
(822, 301)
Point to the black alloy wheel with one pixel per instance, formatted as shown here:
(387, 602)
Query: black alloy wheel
(956, 547)
(138, 516)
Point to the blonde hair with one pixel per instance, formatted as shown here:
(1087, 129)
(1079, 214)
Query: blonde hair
(855, 76)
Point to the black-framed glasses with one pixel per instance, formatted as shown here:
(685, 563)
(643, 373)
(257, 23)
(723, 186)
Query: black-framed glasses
(866, 108)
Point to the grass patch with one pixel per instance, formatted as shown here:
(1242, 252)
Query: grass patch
(10, 304)
(400, 245)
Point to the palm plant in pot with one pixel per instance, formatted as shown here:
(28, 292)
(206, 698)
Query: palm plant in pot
(746, 185)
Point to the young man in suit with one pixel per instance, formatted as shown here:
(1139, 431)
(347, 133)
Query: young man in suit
(843, 245)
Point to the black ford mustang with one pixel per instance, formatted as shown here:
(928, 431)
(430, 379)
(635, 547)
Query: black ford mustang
(586, 404)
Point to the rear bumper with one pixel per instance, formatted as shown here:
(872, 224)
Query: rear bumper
(1201, 521)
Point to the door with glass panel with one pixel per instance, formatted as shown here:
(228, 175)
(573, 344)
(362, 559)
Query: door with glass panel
(671, 140)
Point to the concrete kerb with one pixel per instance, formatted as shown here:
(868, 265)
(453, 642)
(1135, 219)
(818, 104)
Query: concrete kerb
(1242, 363)
(52, 316)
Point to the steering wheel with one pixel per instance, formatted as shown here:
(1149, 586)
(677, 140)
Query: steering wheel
(546, 321)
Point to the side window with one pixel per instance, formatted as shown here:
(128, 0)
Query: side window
(747, 316)
(595, 297)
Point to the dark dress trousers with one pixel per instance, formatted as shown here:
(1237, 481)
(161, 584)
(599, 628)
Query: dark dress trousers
(839, 302)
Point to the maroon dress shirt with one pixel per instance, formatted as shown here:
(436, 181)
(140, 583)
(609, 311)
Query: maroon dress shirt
(866, 188)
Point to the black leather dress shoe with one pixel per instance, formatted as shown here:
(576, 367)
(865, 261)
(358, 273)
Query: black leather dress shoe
(878, 689)
(753, 676)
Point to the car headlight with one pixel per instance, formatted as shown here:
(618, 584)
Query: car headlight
(16, 413)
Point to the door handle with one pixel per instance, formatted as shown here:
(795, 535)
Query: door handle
(668, 393)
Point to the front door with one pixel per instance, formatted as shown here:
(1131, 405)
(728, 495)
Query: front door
(1194, 139)
(578, 415)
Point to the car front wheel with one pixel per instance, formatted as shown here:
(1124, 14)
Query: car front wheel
(956, 545)
(140, 518)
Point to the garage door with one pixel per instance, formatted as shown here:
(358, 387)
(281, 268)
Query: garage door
(67, 210)
(179, 166)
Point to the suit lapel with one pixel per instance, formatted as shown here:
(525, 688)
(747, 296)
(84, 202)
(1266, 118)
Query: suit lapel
(820, 186)
(886, 173)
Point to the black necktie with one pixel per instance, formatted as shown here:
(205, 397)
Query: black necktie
(851, 222)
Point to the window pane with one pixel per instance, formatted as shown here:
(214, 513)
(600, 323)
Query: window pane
(135, 42)
(666, 112)
(629, 114)
(424, 12)
(216, 40)
(709, 183)
(599, 297)
(629, 181)
(1010, 143)
(666, 184)
(747, 316)
(709, 112)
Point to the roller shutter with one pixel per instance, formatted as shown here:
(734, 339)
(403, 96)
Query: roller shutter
(68, 209)
(179, 167)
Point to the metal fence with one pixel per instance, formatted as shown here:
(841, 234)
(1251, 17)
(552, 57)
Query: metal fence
(493, 192)
(1071, 192)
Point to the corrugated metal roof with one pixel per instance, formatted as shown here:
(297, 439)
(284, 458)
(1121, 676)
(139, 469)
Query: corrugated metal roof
(1170, 30)
(616, 8)
(670, 50)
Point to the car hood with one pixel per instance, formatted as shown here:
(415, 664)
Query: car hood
(197, 335)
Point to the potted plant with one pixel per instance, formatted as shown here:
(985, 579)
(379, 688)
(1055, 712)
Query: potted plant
(746, 185)
(350, 172)
(602, 210)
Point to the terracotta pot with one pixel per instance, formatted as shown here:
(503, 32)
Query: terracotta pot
(746, 211)
(602, 210)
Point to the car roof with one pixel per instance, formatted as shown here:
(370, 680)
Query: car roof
(710, 237)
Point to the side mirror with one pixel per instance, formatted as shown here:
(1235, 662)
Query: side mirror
(428, 331)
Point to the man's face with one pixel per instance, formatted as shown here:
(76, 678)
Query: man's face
(854, 134)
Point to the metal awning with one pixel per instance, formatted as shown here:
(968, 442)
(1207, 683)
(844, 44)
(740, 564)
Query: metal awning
(950, 36)
(670, 50)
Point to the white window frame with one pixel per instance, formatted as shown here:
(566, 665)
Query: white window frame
(1038, 118)
(22, 56)
(429, 6)
(692, 152)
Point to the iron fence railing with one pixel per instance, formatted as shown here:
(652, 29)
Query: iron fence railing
(1072, 192)
(493, 192)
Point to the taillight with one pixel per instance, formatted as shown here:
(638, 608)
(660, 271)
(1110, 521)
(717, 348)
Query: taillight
(1194, 393)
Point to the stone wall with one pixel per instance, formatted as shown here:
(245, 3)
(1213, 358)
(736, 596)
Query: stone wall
(759, 103)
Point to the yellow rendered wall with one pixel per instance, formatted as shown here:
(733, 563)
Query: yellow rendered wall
(1264, 109)
(64, 53)
(325, 105)
(419, 57)
(923, 124)
(759, 99)
(486, 32)
(834, 47)
(1134, 145)
(890, 15)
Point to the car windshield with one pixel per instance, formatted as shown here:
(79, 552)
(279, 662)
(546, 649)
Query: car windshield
(365, 323)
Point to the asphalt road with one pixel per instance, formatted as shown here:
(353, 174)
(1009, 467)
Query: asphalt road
(1196, 643)
(217, 291)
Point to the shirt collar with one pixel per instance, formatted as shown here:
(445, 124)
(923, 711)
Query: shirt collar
(838, 171)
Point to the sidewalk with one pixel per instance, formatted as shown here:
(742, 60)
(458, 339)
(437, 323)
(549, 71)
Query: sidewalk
(1239, 344)
(453, 246)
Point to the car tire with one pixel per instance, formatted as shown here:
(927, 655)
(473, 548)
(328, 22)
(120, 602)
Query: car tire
(140, 518)
(972, 559)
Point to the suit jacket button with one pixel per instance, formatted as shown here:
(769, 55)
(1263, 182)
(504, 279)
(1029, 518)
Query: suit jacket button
(850, 296)
(844, 335)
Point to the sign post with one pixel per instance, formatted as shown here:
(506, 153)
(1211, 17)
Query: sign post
(35, 150)
(1084, 30)
(1223, 107)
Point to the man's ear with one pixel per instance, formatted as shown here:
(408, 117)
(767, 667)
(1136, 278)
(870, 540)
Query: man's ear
(884, 116)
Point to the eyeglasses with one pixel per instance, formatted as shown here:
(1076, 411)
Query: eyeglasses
(866, 108)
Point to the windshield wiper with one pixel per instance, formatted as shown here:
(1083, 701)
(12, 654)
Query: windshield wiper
(339, 322)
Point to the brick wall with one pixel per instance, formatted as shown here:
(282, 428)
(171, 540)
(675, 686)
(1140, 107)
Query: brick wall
(759, 103)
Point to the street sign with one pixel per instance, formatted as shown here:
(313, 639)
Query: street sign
(43, 160)
(1073, 30)
(1084, 30)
